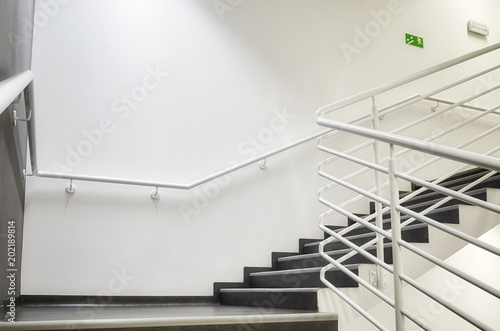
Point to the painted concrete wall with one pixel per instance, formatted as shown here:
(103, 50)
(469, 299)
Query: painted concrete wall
(15, 57)
(175, 90)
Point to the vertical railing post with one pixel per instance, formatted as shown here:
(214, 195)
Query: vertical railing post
(378, 206)
(396, 247)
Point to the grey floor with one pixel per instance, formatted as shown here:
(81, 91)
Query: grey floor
(75, 317)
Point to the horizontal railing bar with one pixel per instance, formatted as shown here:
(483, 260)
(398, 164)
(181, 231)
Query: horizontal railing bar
(448, 267)
(431, 148)
(406, 150)
(356, 148)
(445, 200)
(356, 218)
(354, 188)
(397, 83)
(469, 318)
(411, 219)
(408, 197)
(348, 300)
(349, 151)
(465, 237)
(11, 87)
(448, 102)
(359, 161)
(355, 247)
(366, 118)
(416, 320)
(444, 110)
(428, 96)
(356, 278)
(460, 196)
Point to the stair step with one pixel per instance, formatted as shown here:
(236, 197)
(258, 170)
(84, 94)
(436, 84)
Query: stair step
(315, 260)
(247, 271)
(418, 204)
(411, 233)
(459, 180)
(492, 182)
(303, 242)
(447, 214)
(300, 278)
(272, 298)
(276, 255)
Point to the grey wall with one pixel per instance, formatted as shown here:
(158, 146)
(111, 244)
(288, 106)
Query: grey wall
(15, 57)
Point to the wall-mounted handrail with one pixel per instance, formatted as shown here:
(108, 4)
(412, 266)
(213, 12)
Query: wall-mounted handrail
(188, 186)
(12, 87)
(400, 82)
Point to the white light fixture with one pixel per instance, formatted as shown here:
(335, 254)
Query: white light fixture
(478, 27)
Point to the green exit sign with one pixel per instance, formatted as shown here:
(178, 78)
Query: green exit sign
(414, 40)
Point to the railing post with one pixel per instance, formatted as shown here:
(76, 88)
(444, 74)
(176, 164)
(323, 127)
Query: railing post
(396, 247)
(378, 206)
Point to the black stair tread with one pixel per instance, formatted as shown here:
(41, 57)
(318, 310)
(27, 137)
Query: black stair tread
(448, 214)
(432, 197)
(457, 181)
(439, 214)
(477, 172)
(319, 261)
(270, 289)
(422, 205)
(316, 260)
(410, 233)
(296, 271)
(301, 278)
(492, 182)
(330, 253)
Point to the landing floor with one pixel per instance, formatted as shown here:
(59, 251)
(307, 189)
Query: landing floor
(96, 317)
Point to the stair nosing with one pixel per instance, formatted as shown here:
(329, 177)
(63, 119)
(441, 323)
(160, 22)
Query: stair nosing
(296, 271)
(346, 250)
(367, 234)
(271, 289)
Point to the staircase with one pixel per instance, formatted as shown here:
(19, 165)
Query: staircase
(293, 281)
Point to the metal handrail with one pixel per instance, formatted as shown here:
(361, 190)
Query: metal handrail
(400, 82)
(177, 185)
(427, 220)
(393, 138)
(12, 87)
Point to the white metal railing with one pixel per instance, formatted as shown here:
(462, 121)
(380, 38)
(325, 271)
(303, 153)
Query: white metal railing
(13, 87)
(398, 145)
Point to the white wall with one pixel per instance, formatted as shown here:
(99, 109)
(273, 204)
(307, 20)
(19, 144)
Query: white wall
(175, 90)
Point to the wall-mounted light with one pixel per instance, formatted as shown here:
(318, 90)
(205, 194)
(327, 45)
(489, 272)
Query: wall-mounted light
(478, 27)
